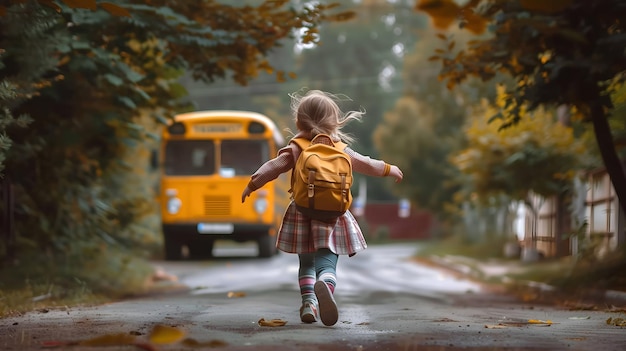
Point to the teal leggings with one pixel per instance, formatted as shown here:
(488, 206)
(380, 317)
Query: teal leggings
(320, 265)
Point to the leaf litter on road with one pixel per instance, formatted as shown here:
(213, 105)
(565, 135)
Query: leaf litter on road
(519, 323)
(272, 322)
(162, 334)
(618, 321)
(117, 339)
(541, 322)
(234, 294)
(159, 335)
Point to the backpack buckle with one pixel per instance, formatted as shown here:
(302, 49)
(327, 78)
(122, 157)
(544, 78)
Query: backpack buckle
(311, 183)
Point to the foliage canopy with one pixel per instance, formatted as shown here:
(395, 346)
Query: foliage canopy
(538, 154)
(78, 79)
(565, 52)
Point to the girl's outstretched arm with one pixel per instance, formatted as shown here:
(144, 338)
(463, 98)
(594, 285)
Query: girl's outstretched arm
(395, 172)
(269, 171)
(372, 167)
(245, 194)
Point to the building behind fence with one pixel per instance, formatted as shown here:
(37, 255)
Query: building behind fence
(558, 228)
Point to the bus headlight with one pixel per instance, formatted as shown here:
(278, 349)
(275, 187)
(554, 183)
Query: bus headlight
(260, 205)
(173, 205)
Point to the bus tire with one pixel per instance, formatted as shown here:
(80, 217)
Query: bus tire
(173, 248)
(201, 249)
(267, 246)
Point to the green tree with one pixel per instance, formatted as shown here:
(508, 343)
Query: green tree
(406, 138)
(84, 74)
(539, 154)
(567, 52)
(361, 58)
(425, 127)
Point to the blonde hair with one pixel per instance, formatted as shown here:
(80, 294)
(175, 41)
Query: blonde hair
(317, 112)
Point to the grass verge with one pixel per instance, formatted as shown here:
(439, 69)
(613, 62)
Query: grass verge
(568, 280)
(35, 283)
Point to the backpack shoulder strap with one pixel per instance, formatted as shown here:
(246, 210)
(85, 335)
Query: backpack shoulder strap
(303, 143)
(336, 144)
(341, 145)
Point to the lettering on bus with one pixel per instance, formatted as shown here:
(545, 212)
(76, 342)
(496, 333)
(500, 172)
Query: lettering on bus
(217, 128)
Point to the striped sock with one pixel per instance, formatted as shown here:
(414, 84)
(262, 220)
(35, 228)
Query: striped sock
(306, 288)
(330, 279)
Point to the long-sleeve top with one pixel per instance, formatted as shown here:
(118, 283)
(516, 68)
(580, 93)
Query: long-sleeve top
(286, 160)
(301, 234)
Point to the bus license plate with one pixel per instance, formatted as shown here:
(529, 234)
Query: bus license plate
(215, 228)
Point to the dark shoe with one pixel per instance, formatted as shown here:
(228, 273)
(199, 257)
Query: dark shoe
(308, 312)
(327, 304)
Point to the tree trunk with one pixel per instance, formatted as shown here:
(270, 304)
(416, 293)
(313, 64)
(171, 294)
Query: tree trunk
(612, 163)
(563, 217)
(563, 225)
(7, 219)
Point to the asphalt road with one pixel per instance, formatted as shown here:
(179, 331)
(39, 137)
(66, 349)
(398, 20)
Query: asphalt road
(386, 302)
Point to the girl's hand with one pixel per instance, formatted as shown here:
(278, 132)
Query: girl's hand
(396, 173)
(246, 193)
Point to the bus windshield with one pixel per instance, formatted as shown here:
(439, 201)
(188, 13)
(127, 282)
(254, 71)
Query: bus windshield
(242, 156)
(197, 157)
(189, 157)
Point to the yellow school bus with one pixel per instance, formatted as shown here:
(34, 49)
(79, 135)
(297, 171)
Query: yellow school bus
(206, 159)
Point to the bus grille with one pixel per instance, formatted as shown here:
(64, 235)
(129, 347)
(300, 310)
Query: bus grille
(216, 206)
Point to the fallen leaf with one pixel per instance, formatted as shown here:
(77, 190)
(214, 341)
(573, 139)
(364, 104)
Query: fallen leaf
(162, 334)
(103, 340)
(618, 322)
(538, 321)
(578, 318)
(232, 294)
(445, 319)
(272, 322)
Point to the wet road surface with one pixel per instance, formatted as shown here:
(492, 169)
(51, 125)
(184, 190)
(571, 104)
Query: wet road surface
(386, 302)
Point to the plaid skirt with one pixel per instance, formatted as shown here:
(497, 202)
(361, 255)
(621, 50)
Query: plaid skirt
(301, 234)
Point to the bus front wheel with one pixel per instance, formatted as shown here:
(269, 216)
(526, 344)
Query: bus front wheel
(201, 249)
(267, 245)
(173, 248)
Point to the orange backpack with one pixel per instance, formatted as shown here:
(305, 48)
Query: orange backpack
(321, 179)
